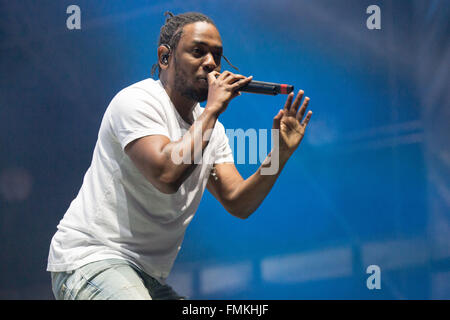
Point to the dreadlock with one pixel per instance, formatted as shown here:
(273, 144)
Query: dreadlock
(172, 31)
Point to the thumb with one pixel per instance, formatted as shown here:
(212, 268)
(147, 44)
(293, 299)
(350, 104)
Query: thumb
(277, 119)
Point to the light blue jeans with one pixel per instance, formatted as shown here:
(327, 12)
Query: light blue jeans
(111, 279)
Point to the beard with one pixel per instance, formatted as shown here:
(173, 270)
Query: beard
(182, 85)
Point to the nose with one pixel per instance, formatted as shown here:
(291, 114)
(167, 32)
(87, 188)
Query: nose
(209, 63)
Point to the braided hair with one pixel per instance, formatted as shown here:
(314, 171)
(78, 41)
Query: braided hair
(172, 31)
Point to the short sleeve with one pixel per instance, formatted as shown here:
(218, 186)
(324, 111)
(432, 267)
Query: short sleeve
(222, 153)
(135, 114)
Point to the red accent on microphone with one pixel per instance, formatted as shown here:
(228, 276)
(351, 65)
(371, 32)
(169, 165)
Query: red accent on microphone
(283, 88)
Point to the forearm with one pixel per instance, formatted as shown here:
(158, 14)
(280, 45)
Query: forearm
(183, 155)
(251, 192)
(242, 197)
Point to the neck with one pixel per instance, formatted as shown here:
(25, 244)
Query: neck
(183, 105)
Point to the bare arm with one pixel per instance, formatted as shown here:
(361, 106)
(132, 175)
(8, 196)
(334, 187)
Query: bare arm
(242, 197)
(238, 196)
(166, 164)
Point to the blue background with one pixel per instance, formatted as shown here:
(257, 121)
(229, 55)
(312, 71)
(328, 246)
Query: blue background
(369, 185)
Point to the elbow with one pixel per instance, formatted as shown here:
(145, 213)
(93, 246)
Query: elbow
(168, 188)
(170, 181)
(166, 184)
(242, 216)
(237, 207)
(241, 213)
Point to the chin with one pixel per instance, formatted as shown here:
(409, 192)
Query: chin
(203, 98)
(200, 95)
(194, 93)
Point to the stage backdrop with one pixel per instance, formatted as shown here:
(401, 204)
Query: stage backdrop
(361, 210)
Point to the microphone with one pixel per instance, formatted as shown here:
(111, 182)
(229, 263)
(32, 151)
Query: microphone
(267, 88)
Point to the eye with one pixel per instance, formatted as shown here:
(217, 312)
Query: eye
(198, 52)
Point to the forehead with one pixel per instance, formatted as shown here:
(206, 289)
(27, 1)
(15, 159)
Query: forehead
(201, 32)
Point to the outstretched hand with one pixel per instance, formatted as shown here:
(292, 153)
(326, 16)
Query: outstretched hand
(290, 124)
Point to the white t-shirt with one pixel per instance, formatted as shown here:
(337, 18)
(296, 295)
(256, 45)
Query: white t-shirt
(117, 212)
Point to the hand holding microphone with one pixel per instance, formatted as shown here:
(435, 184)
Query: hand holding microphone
(262, 87)
(267, 88)
(223, 87)
(291, 121)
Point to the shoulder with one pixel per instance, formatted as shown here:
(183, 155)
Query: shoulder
(147, 88)
(145, 95)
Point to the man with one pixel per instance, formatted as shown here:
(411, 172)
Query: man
(121, 234)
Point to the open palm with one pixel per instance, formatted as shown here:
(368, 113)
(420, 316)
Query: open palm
(289, 122)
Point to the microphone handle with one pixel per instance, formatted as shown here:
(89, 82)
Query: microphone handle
(267, 88)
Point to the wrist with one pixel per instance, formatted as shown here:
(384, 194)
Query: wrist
(285, 154)
(213, 108)
(212, 111)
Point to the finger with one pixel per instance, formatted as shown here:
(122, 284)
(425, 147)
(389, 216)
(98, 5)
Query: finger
(240, 83)
(296, 103)
(307, 118)
(277, 119)
(234, 78)
(303, 109)
(287, 105)
(212, 76)
(224, 75)
(235, 94)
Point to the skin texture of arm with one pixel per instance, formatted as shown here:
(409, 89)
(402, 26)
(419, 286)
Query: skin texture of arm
(242, 197)
(153, 155)
(238, 196)
(167, 164)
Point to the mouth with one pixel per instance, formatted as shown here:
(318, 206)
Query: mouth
(203, 81)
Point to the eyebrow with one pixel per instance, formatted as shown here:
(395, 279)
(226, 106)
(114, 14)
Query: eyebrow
(206, 44)
(220, 48)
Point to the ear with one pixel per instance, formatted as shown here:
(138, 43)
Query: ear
(163, 57)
